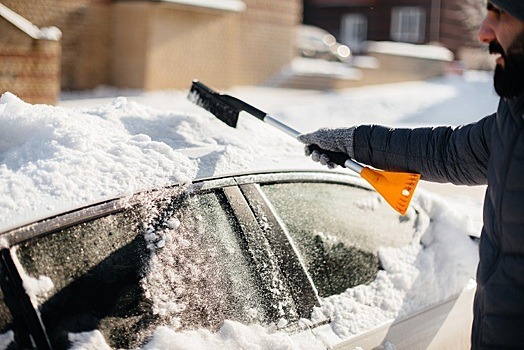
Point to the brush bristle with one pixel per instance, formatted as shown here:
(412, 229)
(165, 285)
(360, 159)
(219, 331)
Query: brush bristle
(204, 97)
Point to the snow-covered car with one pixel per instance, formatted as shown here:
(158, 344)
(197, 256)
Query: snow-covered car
(263, 248)
(301, 257)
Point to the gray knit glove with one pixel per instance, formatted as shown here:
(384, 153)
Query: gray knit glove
(339, 140)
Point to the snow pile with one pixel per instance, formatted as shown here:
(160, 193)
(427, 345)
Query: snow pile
(47, 33)
(414, 277)
(321, 67)
(6, 339)
(53, 159)
(411, 50)
(232, 335)
(225, 5)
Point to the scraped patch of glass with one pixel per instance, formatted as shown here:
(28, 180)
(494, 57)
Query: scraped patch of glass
(174, 262)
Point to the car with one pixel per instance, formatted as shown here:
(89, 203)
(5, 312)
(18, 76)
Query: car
(161, 229)
(315, 42)
(263, 248)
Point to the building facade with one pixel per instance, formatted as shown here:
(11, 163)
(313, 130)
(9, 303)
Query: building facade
(448, 23)
(164, 44)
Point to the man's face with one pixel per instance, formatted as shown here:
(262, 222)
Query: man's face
(505, 36)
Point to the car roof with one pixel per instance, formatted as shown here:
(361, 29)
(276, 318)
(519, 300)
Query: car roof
(55, 220)
(87, 155)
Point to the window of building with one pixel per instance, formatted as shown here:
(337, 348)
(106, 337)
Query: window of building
(408, 24)
(354, 31)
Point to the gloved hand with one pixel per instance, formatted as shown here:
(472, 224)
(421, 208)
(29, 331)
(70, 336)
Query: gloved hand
(334, 140)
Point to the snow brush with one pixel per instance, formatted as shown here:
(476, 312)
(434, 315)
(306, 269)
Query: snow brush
(396, 188)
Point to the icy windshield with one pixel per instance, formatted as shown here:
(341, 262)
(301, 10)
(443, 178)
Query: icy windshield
(176, 262)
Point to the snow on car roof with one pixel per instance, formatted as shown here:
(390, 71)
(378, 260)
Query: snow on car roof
(57, 158)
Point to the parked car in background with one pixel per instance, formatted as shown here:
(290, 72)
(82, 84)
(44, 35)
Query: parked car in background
(257, 248)
(315, 42)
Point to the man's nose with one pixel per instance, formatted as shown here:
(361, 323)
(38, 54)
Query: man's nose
(486, 33)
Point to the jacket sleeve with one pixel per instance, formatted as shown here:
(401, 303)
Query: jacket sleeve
(441, 154)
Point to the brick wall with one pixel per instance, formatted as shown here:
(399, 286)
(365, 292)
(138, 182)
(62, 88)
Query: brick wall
(267, 38)
(161, 45)
(29, 68)
(85, 25)
(165, 46)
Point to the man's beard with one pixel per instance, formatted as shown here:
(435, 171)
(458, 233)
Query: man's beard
(509, 80)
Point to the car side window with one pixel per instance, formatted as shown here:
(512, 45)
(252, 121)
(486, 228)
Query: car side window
(176, 262)
(338, 230)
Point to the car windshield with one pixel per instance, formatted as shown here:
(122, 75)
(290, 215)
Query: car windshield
(161, 263)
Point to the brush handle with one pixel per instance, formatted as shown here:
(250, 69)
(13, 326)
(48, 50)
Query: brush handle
(338, 158)
(283, 127)
(351, 164)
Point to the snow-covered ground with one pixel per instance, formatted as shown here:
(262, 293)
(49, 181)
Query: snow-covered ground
(107, 142)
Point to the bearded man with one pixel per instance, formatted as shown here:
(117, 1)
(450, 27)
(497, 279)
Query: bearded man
(490, 151)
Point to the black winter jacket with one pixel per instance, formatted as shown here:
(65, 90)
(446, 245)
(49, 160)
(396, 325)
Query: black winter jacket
(489, 151)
